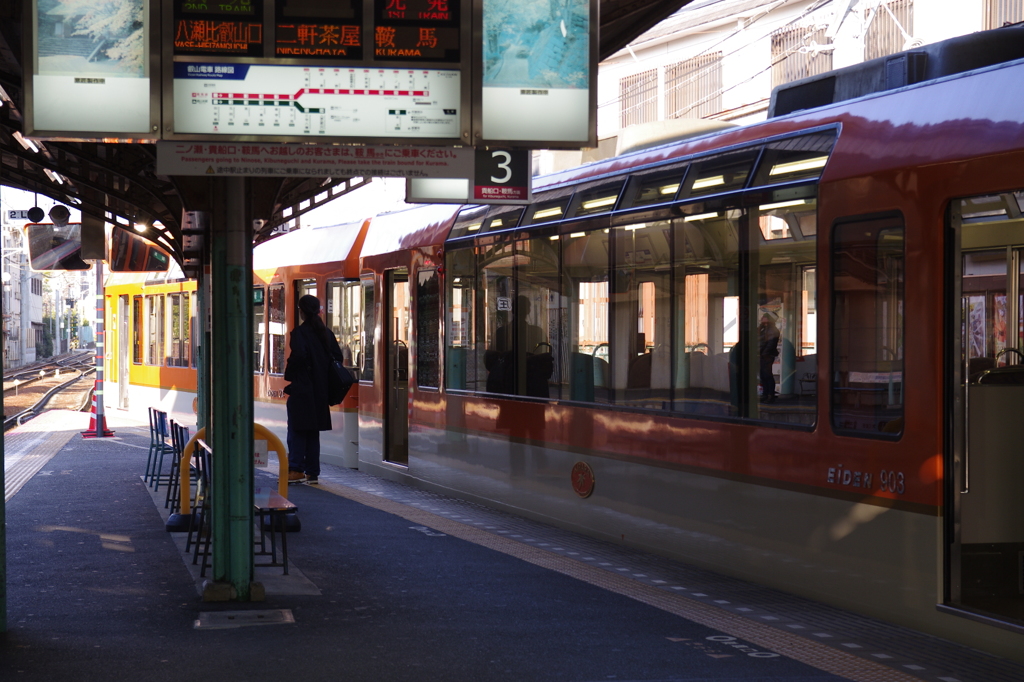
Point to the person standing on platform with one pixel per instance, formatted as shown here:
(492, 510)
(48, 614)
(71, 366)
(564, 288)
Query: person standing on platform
(313, 347)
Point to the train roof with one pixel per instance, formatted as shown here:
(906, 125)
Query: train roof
(310, 246)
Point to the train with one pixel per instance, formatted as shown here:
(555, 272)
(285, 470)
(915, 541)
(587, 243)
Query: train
(790, 351)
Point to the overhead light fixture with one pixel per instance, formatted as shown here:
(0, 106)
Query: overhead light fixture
(29, 145)
(140, 228)
(599, 203)
(553, 237)
(474, 226)
(548, 213)
(700, 216)
(784, 204)
(668, 189)
(797, 166)
(574, 235)
(712, 181)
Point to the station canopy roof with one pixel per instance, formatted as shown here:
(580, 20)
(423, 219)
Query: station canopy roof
(121, 179)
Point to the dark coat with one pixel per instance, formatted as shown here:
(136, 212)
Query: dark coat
(306, 369)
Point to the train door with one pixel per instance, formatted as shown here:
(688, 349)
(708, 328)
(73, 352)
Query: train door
(987, 524)
(124, 362)
(396, 373)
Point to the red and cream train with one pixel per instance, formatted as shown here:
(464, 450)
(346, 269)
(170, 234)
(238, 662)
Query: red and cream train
(792, 352)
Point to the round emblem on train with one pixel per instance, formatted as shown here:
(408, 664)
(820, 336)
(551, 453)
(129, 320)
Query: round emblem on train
(582, 477)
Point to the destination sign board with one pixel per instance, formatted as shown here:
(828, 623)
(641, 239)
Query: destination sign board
(401, 30)
(219, 27)
(314, 28)
(425, 30)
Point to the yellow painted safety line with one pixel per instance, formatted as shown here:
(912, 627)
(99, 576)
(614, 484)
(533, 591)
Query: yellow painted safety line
(805, 651)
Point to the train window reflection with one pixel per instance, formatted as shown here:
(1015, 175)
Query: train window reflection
(867, 327)
(369, 329)
(653, 188)
(137, 330)
(259, 323)
(276, 322)
(154, 330)
(585, 263)
(344, 317)
(721, 173)
(460, 356)
(179, 319)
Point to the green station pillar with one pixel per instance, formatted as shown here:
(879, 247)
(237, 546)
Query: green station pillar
(231, 384)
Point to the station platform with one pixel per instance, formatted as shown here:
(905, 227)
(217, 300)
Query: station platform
(389, 582)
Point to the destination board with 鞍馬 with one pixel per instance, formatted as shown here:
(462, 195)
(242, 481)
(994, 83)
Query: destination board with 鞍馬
(416, 30)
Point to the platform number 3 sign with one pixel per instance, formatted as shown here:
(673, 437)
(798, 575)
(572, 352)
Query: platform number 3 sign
(502, 176)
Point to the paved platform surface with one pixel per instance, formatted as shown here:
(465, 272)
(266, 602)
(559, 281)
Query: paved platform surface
(388, 582)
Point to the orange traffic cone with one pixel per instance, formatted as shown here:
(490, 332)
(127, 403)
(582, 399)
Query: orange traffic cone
(97, 429)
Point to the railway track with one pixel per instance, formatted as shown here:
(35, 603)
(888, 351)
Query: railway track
(61, 383)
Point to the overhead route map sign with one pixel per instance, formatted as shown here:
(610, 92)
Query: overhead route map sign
(366, 71)
(257, 99)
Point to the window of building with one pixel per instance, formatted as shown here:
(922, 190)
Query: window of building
(999, 13)
(276, 327)
(693, 88)
(890, 28)
(795, 53)
(179, 319)
(867, 327)
(638, 97)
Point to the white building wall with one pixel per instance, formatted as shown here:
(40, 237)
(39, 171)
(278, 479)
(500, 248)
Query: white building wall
(743, 35)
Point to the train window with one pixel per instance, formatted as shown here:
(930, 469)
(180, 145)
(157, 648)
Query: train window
(154, 330)
(867, 327)
(276, 327)
(137, 330)
(179, 318)
(460, 355)
(259, 326)
(344, 317)
(653, 188)
(369, 329)
(794, 158)
(641, 314)
(548, 210)
(304, 287)
(721, 173)
(595, 200)
(585, 266)
(502, 219)
(524, 313)
(428, 329)
(469, 222)
(707, 309)
(195, 331)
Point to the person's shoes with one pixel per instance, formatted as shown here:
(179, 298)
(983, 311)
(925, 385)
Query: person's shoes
(296, 477)
(312, 480)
